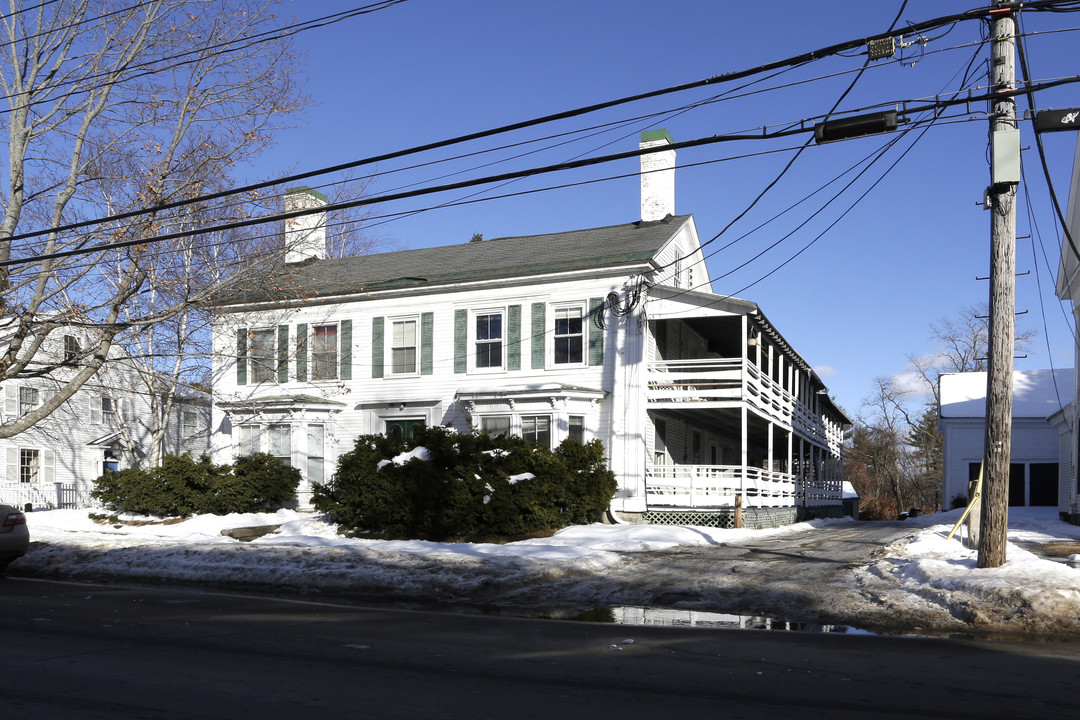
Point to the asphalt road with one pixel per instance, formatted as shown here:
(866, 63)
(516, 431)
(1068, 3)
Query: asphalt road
(90, 651)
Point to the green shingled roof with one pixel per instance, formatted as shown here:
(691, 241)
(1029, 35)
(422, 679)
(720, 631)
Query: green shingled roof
(497, 259)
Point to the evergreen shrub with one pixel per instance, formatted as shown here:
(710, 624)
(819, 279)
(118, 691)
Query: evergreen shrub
(182, 486)
(443, 485)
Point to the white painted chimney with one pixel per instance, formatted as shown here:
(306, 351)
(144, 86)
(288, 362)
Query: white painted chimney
(305, 236)
(657, 176)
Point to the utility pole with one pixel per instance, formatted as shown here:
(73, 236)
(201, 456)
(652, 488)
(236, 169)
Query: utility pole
(1001, 201)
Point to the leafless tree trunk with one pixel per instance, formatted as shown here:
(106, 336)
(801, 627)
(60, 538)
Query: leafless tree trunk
(116, 107)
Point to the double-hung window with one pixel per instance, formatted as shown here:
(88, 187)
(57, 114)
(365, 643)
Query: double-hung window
(190, 420)
(316, 436)
(495, 425)
(29, 465)
(324, 352)
(262, 355)
(250, 441)
(281, 442)
(403, 338)
(569, 336)
(28, 399)
(108, 410)
(71, 348)
(537, 429)
(488, 338)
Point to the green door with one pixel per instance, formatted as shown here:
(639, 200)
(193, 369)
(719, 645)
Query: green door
(404, 429)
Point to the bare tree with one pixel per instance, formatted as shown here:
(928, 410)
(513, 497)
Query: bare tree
(960, 345)
(112, 108)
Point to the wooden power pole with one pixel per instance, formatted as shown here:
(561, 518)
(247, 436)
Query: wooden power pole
(1001, 201)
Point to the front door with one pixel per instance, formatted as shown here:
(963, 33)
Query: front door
(403, 429)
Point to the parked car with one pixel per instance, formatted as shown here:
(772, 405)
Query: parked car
(14, 537)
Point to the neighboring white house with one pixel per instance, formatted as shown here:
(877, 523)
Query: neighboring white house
(55, 463)
(611, 333)
(1037, 477)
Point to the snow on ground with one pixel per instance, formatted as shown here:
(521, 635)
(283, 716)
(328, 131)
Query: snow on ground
(306, 552)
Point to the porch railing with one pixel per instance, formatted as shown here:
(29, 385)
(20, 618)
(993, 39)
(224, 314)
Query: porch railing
(695, 486)
(732, 379)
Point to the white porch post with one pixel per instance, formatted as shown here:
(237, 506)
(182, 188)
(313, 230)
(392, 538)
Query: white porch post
(745, 431)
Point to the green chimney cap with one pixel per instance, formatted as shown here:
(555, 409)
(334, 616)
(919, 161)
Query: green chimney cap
(653, 135)
(305, 189)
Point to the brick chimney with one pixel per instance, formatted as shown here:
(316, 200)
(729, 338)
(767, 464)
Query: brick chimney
(305, 236)
(657, 176)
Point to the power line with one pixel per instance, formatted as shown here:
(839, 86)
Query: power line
(726, 77)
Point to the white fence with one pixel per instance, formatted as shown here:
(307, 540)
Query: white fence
(54, 495)
(715, 486)
(697, 486)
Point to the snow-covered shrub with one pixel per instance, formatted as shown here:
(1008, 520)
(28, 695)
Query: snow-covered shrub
(465, 486)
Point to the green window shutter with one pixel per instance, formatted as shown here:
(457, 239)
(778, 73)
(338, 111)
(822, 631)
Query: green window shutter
(301, 352)
(596, 331)
(376, 347)
(345, 349)
(461, 341)
(241, 356)
(427, 329)
(513, 337)
(539, 329)
(283, 353)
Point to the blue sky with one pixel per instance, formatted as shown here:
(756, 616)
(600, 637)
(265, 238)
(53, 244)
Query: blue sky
(860, 295)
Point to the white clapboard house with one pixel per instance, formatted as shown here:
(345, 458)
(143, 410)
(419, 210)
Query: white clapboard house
(102, 426)
(611, 333)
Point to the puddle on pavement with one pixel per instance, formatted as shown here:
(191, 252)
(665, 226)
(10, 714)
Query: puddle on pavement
(671, 617)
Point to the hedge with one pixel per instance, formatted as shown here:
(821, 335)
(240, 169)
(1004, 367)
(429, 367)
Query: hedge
(444, 485)
(182, 486)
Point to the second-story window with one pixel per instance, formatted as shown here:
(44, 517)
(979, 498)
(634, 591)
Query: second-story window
(28, 399)
(489, 340)
(403, 347)
(262, 355)
(108, 411)
(71, 348)
(324, 353)
(190, 424)
(569, 337)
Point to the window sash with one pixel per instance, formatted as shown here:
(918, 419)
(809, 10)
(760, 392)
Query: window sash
(495, 425)
(403, 347)
(281, 442)
(569, 336)
(262, 355)
(190, 424)
(28, 399)
(29, 465)
(249, 439)
(576, 428)
(489, 340)
(324, 353)
(536, 429)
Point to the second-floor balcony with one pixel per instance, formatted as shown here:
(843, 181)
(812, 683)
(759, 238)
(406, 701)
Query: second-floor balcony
(719, 382)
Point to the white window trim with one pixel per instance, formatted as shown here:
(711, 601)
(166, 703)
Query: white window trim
(389, 351)
(554, 310)
(472, 340)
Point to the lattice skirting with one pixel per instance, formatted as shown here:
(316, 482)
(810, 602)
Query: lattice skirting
(755, 518)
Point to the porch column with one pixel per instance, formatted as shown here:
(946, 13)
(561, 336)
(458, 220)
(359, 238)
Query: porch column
(769, 458)
(744, 441)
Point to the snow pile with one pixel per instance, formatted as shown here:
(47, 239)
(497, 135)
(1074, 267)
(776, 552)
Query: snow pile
(1028, 593)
